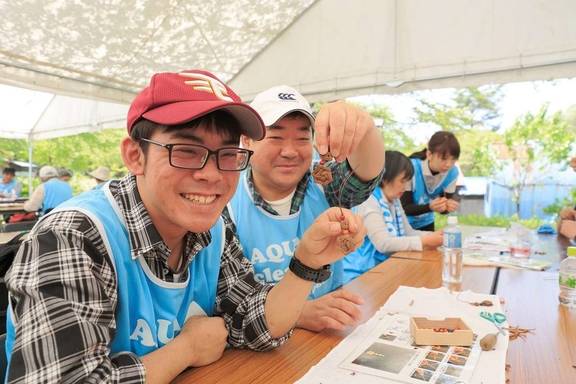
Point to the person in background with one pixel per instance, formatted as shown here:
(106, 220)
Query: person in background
(138, 280)
(50, 193)
(100, 175)
(10, 187)
(278, 195)
(64, 174)
(433, 187)
(567, 222)
(388, 229)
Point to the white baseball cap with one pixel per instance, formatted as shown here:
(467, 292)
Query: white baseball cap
(277, 102)
(47, 171)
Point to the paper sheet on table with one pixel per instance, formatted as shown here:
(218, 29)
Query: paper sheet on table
(438, 303)
(491, 248)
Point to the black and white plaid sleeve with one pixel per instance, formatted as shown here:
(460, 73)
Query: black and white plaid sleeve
(64, 294)
(240, 300)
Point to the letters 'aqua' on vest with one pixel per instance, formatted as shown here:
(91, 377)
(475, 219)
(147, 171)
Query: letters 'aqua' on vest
(367, 256)
(422, 195)
(150, 311)
(269, 240)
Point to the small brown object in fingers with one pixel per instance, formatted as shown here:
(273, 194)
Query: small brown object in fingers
(322, 174)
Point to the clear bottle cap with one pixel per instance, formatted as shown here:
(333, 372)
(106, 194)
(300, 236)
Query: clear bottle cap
(571, 251)
(454, 220)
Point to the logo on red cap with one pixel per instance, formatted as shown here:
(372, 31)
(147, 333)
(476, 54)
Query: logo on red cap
(208, 84)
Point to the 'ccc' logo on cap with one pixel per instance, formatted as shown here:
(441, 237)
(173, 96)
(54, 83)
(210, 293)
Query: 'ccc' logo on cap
(286, 96)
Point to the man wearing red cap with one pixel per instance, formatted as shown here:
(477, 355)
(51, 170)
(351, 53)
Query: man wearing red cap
(140, 279)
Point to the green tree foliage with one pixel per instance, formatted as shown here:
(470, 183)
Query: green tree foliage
(472, 114)
(534, 142)
(79, 153)
(394, 136)
(469, 108)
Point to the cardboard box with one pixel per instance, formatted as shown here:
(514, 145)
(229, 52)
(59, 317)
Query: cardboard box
(449, 331)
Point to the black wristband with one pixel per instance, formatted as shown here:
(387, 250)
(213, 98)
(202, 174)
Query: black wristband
(309, 274)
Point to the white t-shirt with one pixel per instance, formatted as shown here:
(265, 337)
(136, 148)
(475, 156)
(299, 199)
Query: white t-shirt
(283, 205)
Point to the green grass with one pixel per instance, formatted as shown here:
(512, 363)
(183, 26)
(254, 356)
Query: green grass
(483, 221)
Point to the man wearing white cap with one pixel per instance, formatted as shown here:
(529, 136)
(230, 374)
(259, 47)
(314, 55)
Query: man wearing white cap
(101, 175)
(50, 193)
(140, 279)
(278, 196)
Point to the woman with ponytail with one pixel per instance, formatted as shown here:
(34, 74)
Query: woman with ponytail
(433, 186)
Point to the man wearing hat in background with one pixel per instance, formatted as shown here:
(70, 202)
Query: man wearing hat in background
(278, 195)
(50, 193)
(101, 175)
(64, 174)
(140, 279)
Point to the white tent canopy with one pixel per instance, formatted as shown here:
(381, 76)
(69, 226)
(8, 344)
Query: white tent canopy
(327, 48)
(35, 116)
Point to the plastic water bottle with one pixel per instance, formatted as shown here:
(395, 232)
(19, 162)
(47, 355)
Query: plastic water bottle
(452, 258)
(567, 279)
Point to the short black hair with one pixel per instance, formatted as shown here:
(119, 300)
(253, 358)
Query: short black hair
(397, 163)
(9, 171)
(220, 122)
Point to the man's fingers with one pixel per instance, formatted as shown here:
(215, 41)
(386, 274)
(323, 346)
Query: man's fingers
(349, 295)
(322, 131)
(350, 131)
(348, 307)
(330, 323)
(337, 125)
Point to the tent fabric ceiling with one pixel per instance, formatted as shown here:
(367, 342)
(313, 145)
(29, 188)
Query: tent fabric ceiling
(328, 49)
(340, 48)
(108, 49)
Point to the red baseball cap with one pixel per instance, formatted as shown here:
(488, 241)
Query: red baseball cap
(176, 98)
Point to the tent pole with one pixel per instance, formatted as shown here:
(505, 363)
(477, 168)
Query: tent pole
(29, 167)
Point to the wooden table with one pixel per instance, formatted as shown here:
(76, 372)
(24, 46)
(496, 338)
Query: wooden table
(11, 208)
(531, 301)
(305, 349)
(7, 236)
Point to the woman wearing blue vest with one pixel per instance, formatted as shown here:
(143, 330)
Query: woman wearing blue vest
(388, 229)
(277, 198)
(138, 280)
(433, 186)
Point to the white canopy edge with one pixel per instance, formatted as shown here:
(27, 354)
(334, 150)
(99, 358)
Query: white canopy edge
(34, 79)
(340, 48)
(60, 116)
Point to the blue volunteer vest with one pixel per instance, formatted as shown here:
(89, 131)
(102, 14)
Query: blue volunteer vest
(367, 256)
(55, 192)
(150, 312)
(8, 187)
(269, 240)
(422, 195)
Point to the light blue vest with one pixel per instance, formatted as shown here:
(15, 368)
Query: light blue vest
(269, 240)
(422, 195)
(150, 311)
(367, 256)
(7, 188)
(56, 192)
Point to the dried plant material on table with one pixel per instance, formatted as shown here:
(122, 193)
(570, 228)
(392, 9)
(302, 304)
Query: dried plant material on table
(517, 332)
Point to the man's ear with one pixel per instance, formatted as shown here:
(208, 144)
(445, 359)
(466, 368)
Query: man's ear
(133, 156)
(245, 141)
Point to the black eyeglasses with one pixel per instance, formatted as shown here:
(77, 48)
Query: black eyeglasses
(195, 156)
